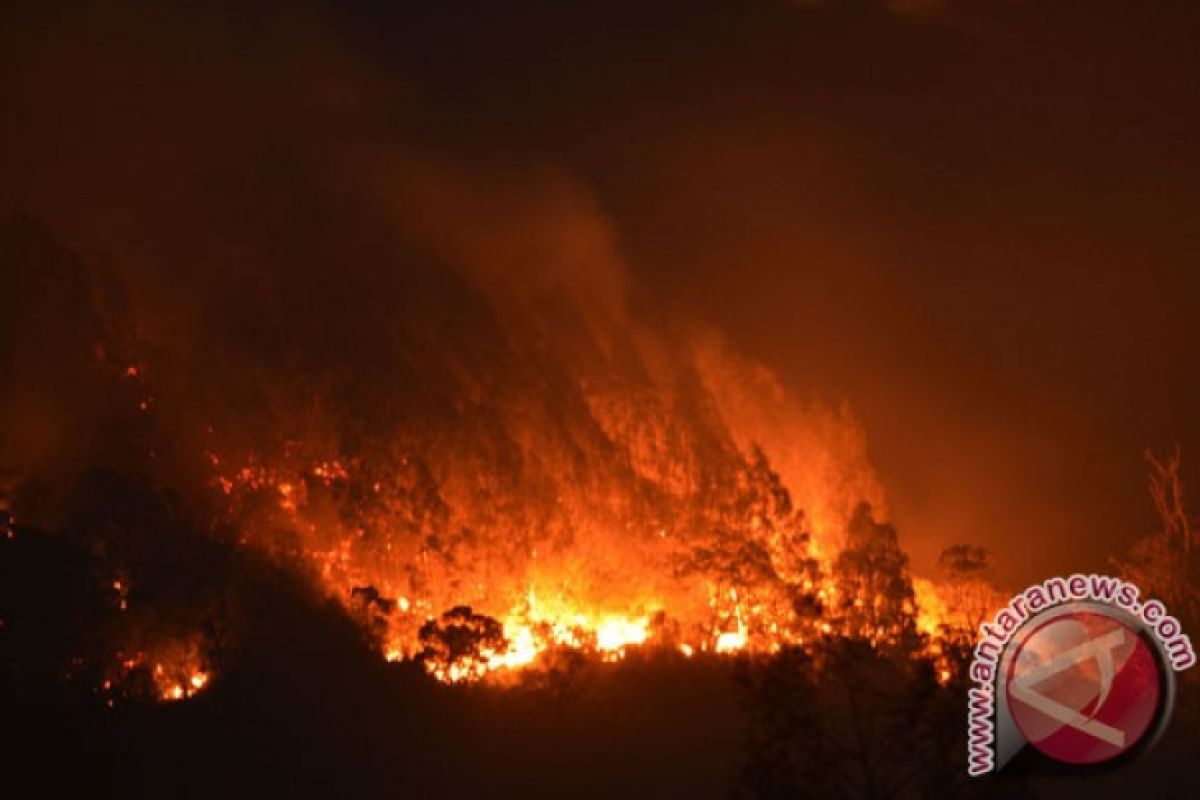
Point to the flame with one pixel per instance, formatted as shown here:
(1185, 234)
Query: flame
(179, 682)
(932, 609)
(547, 600)
(613, 634)
(174, 666)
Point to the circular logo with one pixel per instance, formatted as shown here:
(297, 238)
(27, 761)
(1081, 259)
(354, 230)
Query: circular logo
(1084, 687)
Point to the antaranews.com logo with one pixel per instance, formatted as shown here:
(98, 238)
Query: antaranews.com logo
(1079, 668)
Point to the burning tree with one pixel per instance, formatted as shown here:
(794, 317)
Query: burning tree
(966, 585)
(875, 598)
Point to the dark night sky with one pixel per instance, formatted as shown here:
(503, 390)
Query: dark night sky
(972, 224)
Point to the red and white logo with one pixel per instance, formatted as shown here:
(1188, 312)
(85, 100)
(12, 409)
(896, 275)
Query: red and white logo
(1084, 687)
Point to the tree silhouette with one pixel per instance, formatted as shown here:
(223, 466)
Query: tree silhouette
(1165, 563)
(461, 638)
(844, 719)
(875, 599)
(966, 589)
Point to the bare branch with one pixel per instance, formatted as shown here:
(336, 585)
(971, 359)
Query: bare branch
(1166, 489)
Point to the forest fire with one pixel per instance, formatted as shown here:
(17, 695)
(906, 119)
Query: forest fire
(758, 583)
(583, 400)
(552, 472)
(621, 487)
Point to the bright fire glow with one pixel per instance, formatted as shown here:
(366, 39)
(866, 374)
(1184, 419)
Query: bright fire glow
(698, 520)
